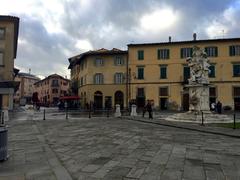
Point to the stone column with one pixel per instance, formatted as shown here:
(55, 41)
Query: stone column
(134, 110)
(118, 111)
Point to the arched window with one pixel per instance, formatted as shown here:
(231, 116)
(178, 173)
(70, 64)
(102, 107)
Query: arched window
(118, 78)
(98, 78)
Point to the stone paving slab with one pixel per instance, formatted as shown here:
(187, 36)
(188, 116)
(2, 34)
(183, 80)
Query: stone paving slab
(115, 148)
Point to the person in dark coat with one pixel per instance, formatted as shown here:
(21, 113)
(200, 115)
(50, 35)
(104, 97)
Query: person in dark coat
(219, 107)
(149, 109)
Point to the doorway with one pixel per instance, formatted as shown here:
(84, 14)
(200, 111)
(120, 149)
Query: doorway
(98, 100)
(163, 103)
(237, 104)
(185, 102)
(119, 98)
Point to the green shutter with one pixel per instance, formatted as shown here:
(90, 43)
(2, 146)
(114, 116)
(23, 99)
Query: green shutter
(163, 72)
(140, 55)
(158, 53)
(231, 51)
(212, 71)
(186, 73)
(168, 53)
(141, 73)
(181, 52)
(216, 51)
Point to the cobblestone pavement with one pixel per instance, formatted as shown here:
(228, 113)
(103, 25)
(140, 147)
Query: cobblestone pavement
(112, 149)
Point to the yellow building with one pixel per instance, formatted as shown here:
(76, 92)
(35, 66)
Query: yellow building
(8, 51)
(100, 77)
(159, 72)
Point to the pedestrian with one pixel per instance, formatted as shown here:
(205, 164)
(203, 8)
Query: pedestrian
(219, 107)
(149, 109)
(144, 111)
(213, 106)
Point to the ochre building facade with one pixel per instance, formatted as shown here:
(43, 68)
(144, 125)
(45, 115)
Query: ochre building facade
(100, 77)
(156, 72)
(159, 72)
(9, 27)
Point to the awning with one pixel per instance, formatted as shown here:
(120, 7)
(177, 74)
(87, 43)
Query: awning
(69, 98)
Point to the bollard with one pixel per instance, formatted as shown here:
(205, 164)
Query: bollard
(2, 119)
(202, 118)
(66, 113)
(108, 112)
(89, 113)
(44, 114)
(234, 121)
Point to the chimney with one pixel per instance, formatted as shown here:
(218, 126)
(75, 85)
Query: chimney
(194, 36)
(29, 70)
(169, 39)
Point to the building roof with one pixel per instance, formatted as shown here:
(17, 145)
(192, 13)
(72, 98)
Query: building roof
(78, 58)
(22, 74)
(15, 20)
(52, 76)
(186, 42)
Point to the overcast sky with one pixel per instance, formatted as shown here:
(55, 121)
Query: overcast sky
(51, 31)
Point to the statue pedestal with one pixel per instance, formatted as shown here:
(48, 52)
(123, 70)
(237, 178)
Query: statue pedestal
(118, 111)
(199, 97)
(133, 110)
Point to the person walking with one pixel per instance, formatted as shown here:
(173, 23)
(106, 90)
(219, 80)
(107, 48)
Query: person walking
(149, 109)
(219, 107)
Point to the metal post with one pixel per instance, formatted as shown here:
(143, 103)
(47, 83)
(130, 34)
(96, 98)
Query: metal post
(234, 121)
(66, 113)
(89, 112)
(108, 112)
(2, 118)
(44, 114)
(202, 118)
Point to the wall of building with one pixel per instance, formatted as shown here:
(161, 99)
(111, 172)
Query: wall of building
(223, 80)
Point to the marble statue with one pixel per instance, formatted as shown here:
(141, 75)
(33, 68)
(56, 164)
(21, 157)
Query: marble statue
(199, 67)
(198, 83)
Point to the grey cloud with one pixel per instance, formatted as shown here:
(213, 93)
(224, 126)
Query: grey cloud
(123, 16)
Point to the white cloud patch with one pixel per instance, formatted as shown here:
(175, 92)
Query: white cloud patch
(160, 19)
(83, 45)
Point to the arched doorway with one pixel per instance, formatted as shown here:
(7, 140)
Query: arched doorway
(98, 100)
(119, 98)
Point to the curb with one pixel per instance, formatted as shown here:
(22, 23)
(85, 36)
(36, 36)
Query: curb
(187, 128)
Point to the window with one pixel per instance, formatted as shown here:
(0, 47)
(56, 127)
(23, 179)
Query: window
(163, 91)
(119, 61)
(81, 81)
(2, 33)
(98, 78)
(186, 73)
(234, 50)
(55, 82)
(212, 92)
(236, 70)
(163, 72)
(1, 59)
(140, 55)
(236, 91)
(54, 91)
(186, 52)
(211, 51)
(140, 73)
(163, 53)
(118, 78)
(212, 71)
(99, 62)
